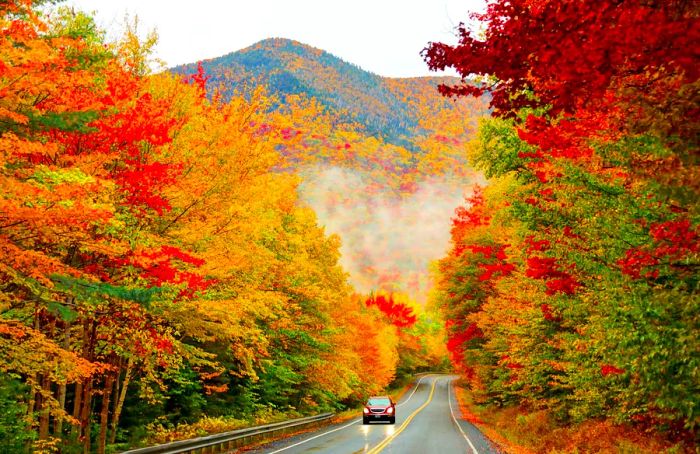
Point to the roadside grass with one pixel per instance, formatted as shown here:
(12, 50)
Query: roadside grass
(519, 431)
(159, 433)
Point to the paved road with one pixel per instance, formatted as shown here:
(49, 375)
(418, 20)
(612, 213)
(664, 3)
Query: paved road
(427, 421)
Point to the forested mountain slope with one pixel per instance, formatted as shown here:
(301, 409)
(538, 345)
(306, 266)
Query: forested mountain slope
(382, 105)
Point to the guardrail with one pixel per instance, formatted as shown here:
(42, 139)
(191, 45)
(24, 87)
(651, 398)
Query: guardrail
(234, 439)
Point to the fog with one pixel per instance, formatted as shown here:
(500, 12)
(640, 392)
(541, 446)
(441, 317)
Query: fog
(388, 241)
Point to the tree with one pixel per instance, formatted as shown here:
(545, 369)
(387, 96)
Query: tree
(592, 170)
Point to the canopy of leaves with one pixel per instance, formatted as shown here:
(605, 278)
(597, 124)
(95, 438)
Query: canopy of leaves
(572, 283)
(154, 260)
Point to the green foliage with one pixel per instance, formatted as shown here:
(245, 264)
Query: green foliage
(64, 121)
(96, 292)
(496, 151)
(15, 430)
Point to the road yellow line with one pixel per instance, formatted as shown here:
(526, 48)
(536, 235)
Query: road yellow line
(377, 449)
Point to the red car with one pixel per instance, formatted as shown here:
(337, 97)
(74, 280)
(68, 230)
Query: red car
(379, 408)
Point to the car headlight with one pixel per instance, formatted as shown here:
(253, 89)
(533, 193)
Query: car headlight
(390, 410)
(365, 410)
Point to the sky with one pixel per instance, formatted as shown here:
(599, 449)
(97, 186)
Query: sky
(381, 36)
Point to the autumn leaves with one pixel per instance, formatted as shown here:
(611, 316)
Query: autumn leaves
(590, 219)
(153, 262)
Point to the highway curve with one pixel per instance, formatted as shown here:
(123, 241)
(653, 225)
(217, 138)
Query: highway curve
(427, 421)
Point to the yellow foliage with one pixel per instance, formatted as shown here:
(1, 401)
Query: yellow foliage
(27, 351)
(160, 434)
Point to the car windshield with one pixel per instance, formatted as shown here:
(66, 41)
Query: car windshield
(379, 401)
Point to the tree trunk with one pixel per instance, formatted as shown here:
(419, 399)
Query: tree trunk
(58, 422)
(79, 387)
(85, 416)
(43, 408)
(114, 400)
(77, 405)
(45, 395)
(120, 402)
(104, 414)
(32, 379)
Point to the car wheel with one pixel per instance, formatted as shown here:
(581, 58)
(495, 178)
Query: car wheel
(365, 421)
(392, 420)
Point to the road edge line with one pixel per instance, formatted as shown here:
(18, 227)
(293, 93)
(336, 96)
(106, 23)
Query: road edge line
(452, 413)
(415, 388)
(315, 437)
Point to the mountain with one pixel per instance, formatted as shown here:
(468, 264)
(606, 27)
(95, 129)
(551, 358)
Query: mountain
(382, 162)
(385, 106)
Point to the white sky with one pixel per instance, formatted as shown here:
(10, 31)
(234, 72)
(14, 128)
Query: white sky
(381, 36)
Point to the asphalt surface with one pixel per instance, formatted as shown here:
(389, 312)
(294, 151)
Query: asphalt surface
(427, 421)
